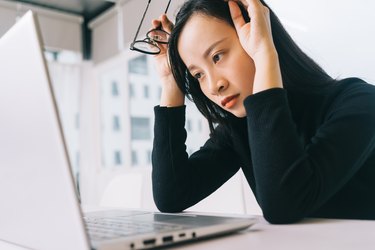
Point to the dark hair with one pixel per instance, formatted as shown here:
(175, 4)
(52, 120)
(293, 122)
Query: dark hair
(298, 70)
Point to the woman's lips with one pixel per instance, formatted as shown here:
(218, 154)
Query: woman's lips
(229, 101)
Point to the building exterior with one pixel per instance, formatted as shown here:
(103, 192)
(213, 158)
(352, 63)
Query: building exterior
(127, 114)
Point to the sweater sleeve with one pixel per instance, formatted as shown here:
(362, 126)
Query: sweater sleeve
(180, 181)
(295, 179)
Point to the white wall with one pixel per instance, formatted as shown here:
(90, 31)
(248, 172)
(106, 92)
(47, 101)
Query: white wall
(338, 34)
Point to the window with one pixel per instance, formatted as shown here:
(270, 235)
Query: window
(138, 65)
(116, 123)
(112, 115)
(146, 93)
(200, 125)
(188, 125)
(134, 158)
(66, 75)
(131, 90)
(140, 128)
(115, 91)
(117, 156)
(148, 156)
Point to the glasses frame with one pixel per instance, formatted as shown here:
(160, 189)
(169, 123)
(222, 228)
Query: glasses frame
(149, 40)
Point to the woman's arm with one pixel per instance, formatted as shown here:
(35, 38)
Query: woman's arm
(180, 181)
(171, 95)
(292, 179)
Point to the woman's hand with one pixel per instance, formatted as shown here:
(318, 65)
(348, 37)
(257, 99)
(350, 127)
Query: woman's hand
(255, 36)
(171, 95)
(162, 64)
(256, 39)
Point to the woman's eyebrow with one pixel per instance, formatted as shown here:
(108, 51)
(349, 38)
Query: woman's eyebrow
(208, 51)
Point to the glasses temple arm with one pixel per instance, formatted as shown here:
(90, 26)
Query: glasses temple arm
(140, 24)
(166, 9)
(165, 12)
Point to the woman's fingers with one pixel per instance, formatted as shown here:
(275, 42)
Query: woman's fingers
(254, 36)
(236, 15)
(155, 23)
(167, 25)
(253, 6)
(241, 2)
(163, 22)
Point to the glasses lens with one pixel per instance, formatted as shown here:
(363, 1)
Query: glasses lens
(146, 47)
(159, 36)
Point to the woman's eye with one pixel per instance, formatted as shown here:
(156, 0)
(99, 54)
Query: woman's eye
(197, 75)
(216, 57)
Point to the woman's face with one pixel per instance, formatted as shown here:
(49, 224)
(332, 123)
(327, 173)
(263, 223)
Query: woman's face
(211, 51)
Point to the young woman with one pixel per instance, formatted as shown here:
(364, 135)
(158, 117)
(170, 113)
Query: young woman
(305, 141)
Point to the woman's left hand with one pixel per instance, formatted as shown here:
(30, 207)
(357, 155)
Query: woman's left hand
(256, 39)
(255, 36)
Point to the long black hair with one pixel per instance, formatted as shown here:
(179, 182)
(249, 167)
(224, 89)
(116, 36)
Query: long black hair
(298, 70)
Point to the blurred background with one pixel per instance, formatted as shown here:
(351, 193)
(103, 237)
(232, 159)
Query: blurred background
(106, 93)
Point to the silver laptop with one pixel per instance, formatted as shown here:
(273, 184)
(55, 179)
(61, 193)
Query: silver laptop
(39, 208)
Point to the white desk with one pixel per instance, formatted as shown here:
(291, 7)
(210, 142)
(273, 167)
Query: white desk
(314, 234)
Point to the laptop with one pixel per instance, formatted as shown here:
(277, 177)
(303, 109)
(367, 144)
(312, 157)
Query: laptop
(39, 206)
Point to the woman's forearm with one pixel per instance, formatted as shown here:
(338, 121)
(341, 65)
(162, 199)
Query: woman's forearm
(171, 95)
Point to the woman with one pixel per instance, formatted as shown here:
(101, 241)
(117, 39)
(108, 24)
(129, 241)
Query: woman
(305, 141)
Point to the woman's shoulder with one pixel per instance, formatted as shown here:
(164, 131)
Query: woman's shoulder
(354, 88)
(337, 97)
(355, 83)
(354, 96)
(335, 90)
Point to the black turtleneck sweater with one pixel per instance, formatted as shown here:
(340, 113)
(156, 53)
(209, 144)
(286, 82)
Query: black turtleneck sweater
(303, 154)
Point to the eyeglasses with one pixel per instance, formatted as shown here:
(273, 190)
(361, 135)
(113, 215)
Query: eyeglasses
(149, 45)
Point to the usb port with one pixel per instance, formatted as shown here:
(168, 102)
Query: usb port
(182, 235)
(167, 239)
(149, 242)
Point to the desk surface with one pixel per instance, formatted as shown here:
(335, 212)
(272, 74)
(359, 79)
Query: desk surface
(309, 234)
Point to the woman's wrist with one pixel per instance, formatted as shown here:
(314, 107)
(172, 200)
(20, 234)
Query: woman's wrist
(171, 95)
(268, 73)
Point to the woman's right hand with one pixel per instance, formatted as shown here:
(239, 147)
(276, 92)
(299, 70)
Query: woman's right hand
(162, 64)
(171, 95)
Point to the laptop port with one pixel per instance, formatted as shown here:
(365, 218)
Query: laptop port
(168, 239)
(149, 242)
(182, 235)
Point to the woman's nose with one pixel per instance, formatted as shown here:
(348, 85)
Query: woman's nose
(218, 85)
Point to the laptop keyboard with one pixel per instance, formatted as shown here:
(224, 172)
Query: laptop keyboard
(117, 227)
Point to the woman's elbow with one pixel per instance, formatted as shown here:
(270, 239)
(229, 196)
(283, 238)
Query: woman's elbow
(166, 204)
(280, 219)
(166, 208)
(281, 215)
